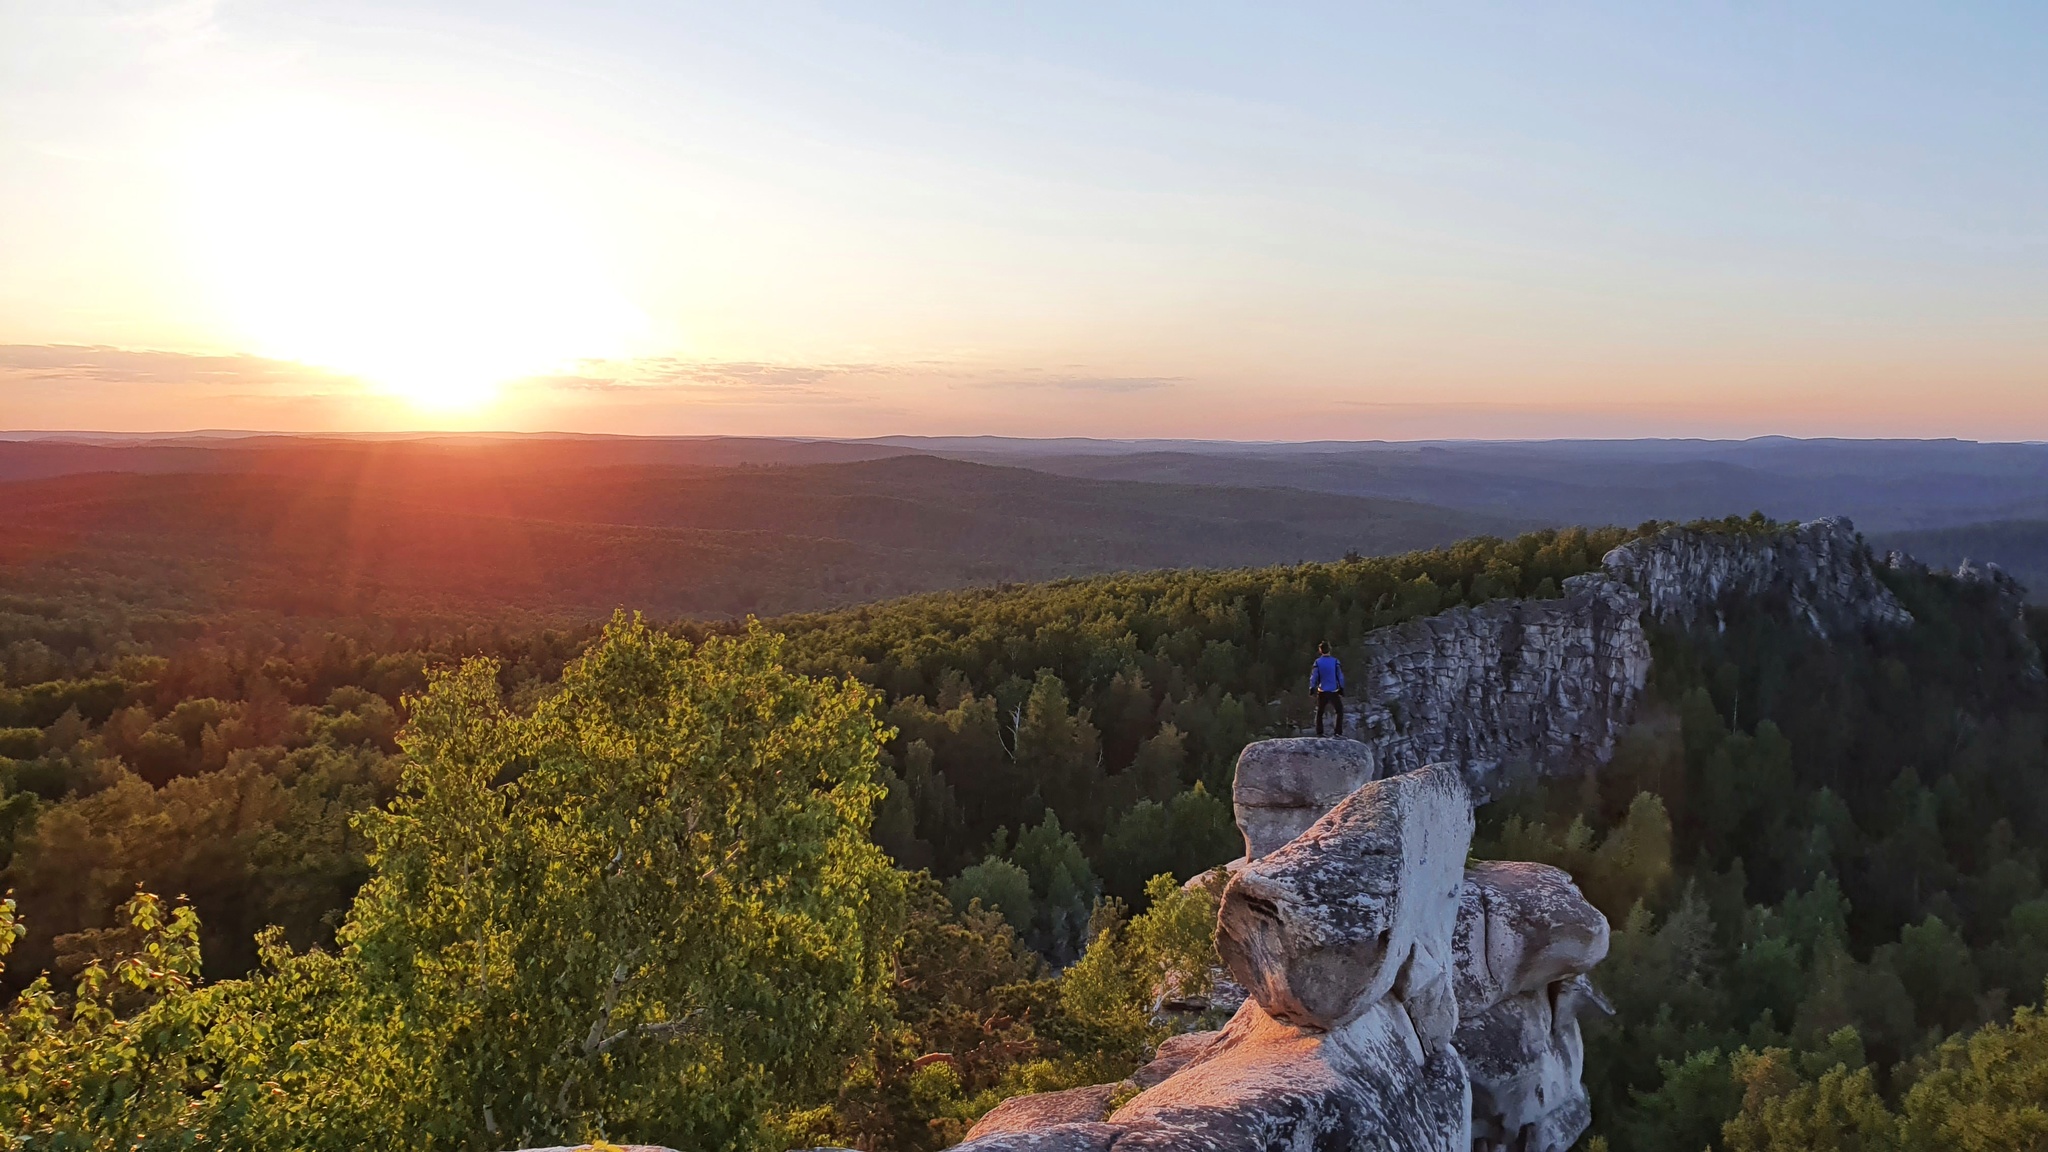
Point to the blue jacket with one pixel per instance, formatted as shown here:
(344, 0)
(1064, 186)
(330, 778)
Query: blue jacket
(1326, 676)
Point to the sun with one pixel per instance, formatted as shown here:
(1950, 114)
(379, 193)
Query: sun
(334, 240)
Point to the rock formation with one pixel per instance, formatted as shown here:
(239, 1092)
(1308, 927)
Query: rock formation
(1506, 688)
(1283, 786)
(1324, 927)
(1514, 688)
(1818, 572)
(2009, 594)
(1525, 940)
(1398, 1000)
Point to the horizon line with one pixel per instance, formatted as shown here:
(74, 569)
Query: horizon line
(61, 435)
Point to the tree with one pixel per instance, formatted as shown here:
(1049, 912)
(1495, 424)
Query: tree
(1987, 1092)
(961, 1019)
(1782, 1111)
(119, 1063)
(660, 877)
(1063, 754)
(1111, 997)
(1191, 833)
(999, 887)
(1063, 888)
(647, 909)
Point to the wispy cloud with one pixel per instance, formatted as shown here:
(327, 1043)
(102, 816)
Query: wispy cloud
(128, 389)
(766, 380)
(673, 374)
(1111, 385)
(100, 364)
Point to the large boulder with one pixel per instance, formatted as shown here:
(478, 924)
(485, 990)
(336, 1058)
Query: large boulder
(1521, 928)
(1526, 938)
(1283, 786)
(1366, 899)
(1525, 1059)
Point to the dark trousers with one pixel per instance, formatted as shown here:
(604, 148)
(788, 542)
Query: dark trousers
(1332, 700)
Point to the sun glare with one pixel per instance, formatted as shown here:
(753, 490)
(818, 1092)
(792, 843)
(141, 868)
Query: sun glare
(335, 241)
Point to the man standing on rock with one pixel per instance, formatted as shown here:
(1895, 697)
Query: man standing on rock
(1326, 680)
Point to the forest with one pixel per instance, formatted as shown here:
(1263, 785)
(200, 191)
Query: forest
(565, 530)
(305, 882)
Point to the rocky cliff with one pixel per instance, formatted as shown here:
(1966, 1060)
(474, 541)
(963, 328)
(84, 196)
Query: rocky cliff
(1819, 572)
(1397, 998)
(1545, 687)
(1509, 687)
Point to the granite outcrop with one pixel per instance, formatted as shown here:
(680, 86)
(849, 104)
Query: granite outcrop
(1509, 688)
(1819, 572)
(1283, 786)
(1515, 688)
(1397, 999)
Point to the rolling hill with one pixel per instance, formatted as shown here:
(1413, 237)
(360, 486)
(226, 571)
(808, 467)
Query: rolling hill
(470, 528)
(1884, 485)
(2018, 546)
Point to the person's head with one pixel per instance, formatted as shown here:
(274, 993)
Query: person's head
(1323, 647)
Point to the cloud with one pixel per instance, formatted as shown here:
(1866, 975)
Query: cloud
(1111, 385)
(768, 381)
(673, 374)
(69, 386)
(100, 364)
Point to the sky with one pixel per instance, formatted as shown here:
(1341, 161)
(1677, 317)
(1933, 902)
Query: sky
(1272, 221)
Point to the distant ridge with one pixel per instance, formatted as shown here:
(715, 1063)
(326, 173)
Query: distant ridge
(574, 529)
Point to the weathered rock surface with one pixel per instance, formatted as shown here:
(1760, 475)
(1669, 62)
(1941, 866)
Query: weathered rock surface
(1264, 1084)
(1343, 938)
(1361, 942)
(1325, 927)
(1819, 572)
(1043, 1110)
(1525, 1058)
(1283, 786)
(1509, 687)
(1545, 687)
(1525, 939)
(1521, 928)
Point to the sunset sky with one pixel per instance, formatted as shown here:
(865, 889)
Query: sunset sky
(1109, 219)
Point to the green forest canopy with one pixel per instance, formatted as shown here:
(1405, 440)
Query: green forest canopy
(1819, 856)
